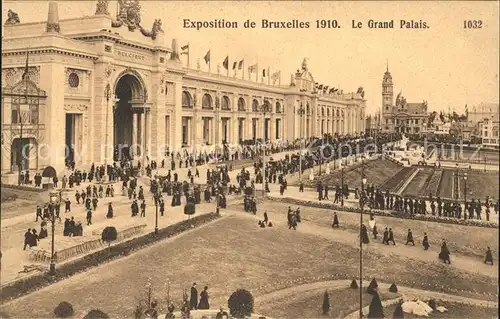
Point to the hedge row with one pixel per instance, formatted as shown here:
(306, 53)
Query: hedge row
(386, 213)
(36, 282)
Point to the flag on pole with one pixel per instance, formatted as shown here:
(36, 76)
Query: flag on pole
(225, 64)
(263, 73)
(276, 76)
(240, 64)
(320, 87)
(325, 88)
(234, 65)
(207, 57)
(185, 48)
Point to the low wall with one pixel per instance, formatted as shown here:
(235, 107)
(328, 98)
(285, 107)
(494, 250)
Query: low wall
(43, 256)
(24, 286)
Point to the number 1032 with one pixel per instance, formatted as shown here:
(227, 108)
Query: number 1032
(473, 24)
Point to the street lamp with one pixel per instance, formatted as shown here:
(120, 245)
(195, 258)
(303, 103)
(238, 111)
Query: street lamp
(362, 204)
(157, 201)
(54, 199)
(107, 94)
(341, 183)
(301, 111)
(465, 194)
(264, 108)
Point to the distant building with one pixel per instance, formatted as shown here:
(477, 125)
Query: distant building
(483, 111)
(489, 132)
(400, 116)
(372, 124)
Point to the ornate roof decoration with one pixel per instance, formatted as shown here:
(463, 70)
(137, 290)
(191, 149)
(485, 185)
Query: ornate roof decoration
(12, 18)
(129, 14)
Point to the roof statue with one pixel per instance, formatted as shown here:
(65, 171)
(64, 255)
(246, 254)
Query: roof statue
(129, 14)
(12, 18)
(102, 7)
(304, 64)
(292, 80)
(361, 91)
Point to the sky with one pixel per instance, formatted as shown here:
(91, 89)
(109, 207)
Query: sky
(446, 65)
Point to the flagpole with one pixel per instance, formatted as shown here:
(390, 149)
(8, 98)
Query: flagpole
(189, 49)
(257, 73)
(268, 76)
(227, 70)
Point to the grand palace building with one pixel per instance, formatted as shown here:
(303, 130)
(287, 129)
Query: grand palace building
(75, 89)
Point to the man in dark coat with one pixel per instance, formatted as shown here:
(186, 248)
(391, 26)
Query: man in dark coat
(391, 237)
(385, 240)
(193, 302)
(425, 242)
(409, 238)
(335, 221)
(489, 257)
(27, 238)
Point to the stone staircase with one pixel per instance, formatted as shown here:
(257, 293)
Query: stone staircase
(396, 181)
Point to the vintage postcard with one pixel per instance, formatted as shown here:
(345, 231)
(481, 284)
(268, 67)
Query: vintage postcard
(249, 159)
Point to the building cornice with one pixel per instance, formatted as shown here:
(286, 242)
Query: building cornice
(53, 50)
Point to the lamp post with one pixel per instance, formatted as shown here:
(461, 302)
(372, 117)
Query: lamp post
(301, 111)
(20, 154)
(264, 108)
(362, 204)
(54, 198)
(341, 183)
(157, 201)
(107, 94)
(465, 195)
(145, 97)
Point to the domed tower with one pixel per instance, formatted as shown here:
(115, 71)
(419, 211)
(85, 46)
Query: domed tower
(387, 98)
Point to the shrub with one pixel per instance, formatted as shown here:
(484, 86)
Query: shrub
(398, 312)
(109, 234)
(354, 284)
(96, 314)
(372, 287)
(393, 288)
(64, 310)
(376, 310)
(240, 303)
(326, 303)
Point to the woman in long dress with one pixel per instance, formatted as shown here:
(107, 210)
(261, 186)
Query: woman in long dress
(43, 230)
(425, 242)
(364, 234)
(203, 304)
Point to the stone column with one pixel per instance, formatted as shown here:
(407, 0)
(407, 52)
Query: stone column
(148, 133)
(134, 134)
(142, 140)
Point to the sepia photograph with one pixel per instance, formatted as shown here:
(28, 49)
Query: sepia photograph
(249, 159)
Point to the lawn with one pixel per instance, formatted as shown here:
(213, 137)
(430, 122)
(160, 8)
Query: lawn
(376, 171)
(455, 310)
(418, 184)
(309, 304)
(225, 255)
(481, 184)
(464, 240)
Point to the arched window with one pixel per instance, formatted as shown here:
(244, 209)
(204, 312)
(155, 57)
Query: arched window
(186, 99)
(338, 114)
(328, 112)
(322, 111)
(241, 104)
(308, 109)
(206, 103)
(255, 106)
(267, 106)
(225, 103)
(278, 107)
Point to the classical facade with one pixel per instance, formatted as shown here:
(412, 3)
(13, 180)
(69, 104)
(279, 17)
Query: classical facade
(104, 82)
(401, 116)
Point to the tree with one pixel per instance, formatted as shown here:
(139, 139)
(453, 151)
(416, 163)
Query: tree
(64, 310)
(240, 303)
(371, 289)
(398, 312)
(354, 284)
(109, 234)
(326, 303)
(376, 310)
(96, 314)
(393, 288)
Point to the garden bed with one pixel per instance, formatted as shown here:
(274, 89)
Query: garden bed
(309, 304)
(22, 287)
(427, 218)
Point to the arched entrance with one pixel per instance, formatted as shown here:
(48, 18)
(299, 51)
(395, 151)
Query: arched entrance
(128, 90)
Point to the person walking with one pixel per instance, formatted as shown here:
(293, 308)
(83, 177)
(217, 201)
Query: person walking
(409, 238)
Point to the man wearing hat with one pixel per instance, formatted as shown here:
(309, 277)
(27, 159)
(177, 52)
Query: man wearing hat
(193, 302)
